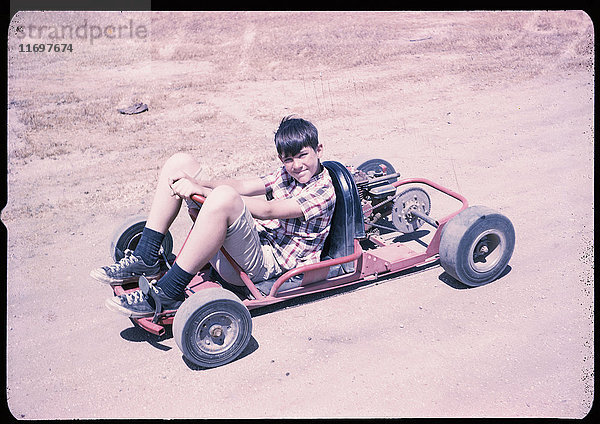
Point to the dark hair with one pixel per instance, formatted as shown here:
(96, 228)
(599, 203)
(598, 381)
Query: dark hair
(293, 135)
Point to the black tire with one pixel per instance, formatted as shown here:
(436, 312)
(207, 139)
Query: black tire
(128, 234)
(476, 245)
(212, 327)
(373, 164)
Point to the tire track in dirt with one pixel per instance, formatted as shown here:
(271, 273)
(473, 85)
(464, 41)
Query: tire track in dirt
(535, 26)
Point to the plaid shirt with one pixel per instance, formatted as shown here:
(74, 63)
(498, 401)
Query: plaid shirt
(298, 241)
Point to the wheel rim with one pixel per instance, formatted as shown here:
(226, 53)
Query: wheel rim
(217, 332)
(133, 242)
(486, 251)
(407, 201)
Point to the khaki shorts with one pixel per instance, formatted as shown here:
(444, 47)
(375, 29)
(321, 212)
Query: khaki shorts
(242, 243)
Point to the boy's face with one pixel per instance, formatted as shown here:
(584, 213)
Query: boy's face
(303, 165)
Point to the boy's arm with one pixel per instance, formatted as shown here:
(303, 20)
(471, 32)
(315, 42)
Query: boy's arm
(273, 209)
(259, 207)
(246, 187)
(185, 186)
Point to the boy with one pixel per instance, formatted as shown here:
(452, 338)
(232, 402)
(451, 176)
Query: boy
(267, 224)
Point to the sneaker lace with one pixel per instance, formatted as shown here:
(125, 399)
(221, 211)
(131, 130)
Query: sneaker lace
(127, 260)
(137, 295)
(134, 297)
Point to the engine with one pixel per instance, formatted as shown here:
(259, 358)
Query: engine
(375, 193)
(408, 209)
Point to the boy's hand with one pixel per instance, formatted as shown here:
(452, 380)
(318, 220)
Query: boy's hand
(184, 186)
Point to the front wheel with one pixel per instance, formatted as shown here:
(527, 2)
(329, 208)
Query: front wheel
(128, 234)
(212, 327)
(476, 245)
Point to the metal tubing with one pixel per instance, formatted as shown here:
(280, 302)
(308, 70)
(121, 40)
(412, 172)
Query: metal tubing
(327, 263)
(198, 199)
(151, 327)
(247, 281)
(459, 197)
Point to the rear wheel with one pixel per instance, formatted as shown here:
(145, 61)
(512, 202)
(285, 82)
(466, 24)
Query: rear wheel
(212, 327)
(476, 245)
(375, 166)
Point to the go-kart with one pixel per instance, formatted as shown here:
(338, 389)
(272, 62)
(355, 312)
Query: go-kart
(376, 218)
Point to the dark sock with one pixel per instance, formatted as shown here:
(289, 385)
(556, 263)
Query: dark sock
(173, 283)
(149, 246)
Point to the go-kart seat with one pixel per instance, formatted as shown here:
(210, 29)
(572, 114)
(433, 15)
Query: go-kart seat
(347, 222)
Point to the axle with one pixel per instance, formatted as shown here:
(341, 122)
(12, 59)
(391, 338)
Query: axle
(424, 217)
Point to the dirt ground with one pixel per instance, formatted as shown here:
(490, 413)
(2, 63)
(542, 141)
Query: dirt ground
(498, 106)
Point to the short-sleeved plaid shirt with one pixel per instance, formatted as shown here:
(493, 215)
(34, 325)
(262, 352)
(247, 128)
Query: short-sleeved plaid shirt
(298, 241)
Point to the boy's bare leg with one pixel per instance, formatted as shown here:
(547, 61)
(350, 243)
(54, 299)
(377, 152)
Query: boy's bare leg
(221, 208)
(165, 206)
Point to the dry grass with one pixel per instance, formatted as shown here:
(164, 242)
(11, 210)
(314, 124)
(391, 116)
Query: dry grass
(217, 83)
(58, 96)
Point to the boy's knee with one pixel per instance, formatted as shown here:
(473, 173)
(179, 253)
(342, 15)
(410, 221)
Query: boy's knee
(181, 161)
(223, 194)
(225, 199)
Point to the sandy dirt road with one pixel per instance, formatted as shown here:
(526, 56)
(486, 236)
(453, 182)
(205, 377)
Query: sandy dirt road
(497, 106)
